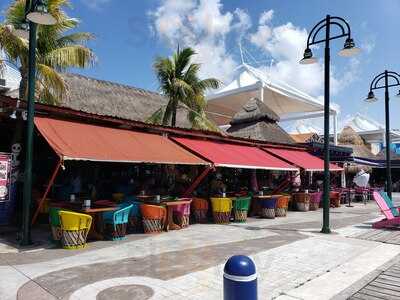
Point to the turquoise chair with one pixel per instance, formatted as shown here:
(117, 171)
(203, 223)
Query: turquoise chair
(135, 216)
(116, 222)
(389, 202)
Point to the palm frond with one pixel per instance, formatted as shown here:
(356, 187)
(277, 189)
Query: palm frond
(75, 38)
(157, 117)
(70, 56)
(51, 81)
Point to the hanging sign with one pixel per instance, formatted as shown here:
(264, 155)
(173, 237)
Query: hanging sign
(5, 168)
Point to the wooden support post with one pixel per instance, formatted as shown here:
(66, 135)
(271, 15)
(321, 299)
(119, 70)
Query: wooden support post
(49, 185)
(197, 181)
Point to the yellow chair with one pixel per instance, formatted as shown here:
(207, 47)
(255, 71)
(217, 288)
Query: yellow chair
(221, 208)
(75, 228)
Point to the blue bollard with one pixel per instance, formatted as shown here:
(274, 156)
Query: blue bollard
(240, 279)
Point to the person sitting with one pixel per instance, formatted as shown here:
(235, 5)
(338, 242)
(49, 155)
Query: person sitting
(217, 185)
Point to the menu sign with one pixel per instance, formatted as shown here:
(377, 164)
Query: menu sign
(5, 168)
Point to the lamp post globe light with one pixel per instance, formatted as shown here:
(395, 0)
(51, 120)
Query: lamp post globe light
(36, 12)
(381, 81)
(348, 50)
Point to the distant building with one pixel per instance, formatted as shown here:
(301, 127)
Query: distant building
(287, 102)
(373, 133)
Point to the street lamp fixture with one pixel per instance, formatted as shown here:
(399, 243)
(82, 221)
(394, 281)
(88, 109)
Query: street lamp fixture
(349, 49)
(371, 97)
(39, 14)
(381, 81)
(308, 58)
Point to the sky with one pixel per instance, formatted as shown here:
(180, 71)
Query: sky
(131, 34)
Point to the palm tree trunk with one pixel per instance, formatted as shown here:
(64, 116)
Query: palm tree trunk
(175, 107)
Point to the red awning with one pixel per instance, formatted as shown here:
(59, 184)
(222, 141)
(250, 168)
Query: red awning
(234, 156)
(302, 159)
(77, 141)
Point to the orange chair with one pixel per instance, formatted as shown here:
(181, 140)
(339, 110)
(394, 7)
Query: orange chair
(153, 218)
(200, 209)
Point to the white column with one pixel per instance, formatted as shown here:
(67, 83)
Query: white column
(383, 138)
(343, 177)
(335, 133)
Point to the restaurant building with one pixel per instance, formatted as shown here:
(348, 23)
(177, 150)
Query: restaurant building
(69, 139)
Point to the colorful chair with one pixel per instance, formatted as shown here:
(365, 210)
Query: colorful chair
(200, 208)
(116, 222)
(302, 201)
(135, 217)
(334, 199)
(389, 202)
(315, 200)
(153, 218)
(268, 206)
(282, 205)
(222, 208)
(182, 215)
(390, 220)
(75, 228)
(240, 208)
(55, 224)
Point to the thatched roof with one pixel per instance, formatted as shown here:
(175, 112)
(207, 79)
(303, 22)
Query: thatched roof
(306, 137)
(256, 121)
(112, 99)
(109, 98)
(350, 138)
(254, 110)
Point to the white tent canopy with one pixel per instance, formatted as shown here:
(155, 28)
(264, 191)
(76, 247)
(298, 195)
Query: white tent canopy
(286, 101)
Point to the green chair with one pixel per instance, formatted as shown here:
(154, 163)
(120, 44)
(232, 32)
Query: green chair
(55, 224)
(240, 207)
(389, 202)
(116, 222)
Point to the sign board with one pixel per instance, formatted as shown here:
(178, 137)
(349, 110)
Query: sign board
(5, 170)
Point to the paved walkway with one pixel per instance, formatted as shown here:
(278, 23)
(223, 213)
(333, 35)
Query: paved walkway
(293, 260)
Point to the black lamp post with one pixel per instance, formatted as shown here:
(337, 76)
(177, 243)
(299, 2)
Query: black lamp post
(349, 49)
(385, 76)
(36, 13)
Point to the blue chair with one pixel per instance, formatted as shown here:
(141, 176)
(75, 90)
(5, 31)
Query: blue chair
(135, 216)
(116, 222)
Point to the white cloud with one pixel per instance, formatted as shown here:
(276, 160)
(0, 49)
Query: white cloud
(285, 44)
(202, 25)
(205, 26)
(266, 17)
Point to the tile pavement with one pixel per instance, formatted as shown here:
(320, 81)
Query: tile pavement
(188, 264)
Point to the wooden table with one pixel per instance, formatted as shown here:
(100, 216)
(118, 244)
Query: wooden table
(96, 230)
(145, 198)
(169, 222)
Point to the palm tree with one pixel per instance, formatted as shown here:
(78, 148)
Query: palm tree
(56, 50)
(180, 83)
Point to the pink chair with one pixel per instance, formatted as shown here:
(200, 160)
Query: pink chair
(390, 220)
